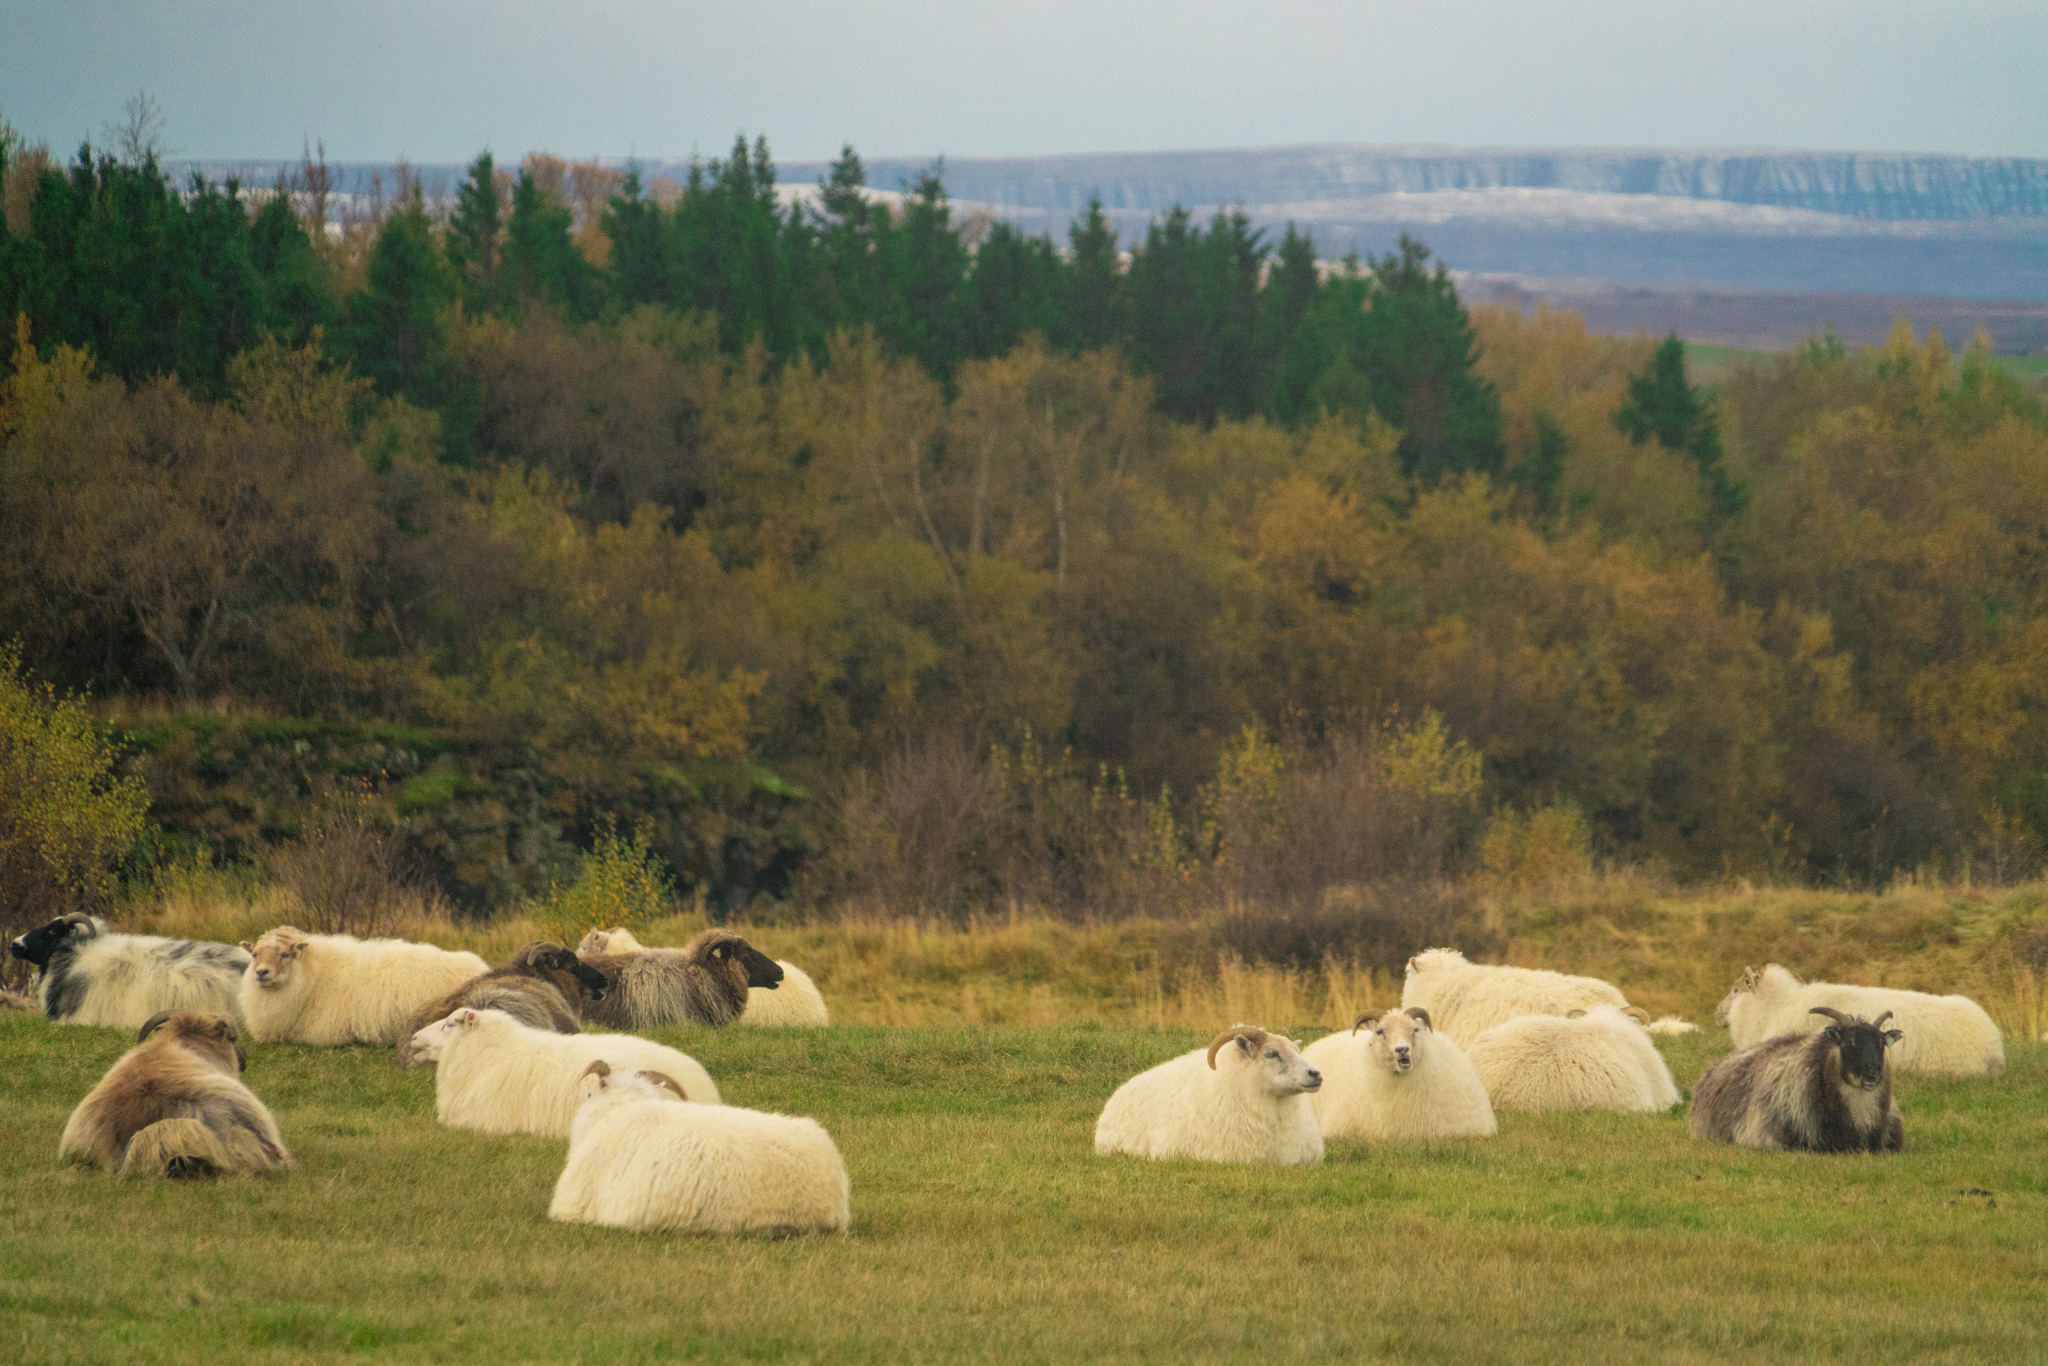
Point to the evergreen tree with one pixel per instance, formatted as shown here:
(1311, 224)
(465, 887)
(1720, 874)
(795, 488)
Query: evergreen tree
(1418, 355)
(638, 271)
(542, 263)
(1011, 290)
(1661, 403)
(472, 240)
(397, 328)
(933, 265)
(1092, 279)
(298, 296)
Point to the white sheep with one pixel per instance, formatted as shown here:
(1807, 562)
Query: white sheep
(1400, 1080)
(1250, 1108)
(1671, 1024)
(498, 1076)
(1944, 1035)
(328, 989)
(1598, 1059)
(796, 1001)
(91, 976)
(644, 1154)
(1467, 999)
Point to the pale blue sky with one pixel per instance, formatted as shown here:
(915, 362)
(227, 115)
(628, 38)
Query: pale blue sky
(438, 81)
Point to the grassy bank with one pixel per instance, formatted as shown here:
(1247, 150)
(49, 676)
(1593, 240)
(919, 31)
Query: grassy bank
(987, 1229)
(1672, 951)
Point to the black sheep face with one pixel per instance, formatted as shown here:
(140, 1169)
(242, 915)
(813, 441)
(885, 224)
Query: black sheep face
(588, 979)
(762, 971)
(39, 946)
(1862, 1048)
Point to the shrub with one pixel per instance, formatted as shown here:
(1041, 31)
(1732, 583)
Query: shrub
(621, 883)
(66, 818)
(349, 871)
(1546, 845)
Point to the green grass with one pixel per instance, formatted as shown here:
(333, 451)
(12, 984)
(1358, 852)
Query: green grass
(987, 1229)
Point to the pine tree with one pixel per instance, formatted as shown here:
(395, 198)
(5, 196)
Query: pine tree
(474, 230)
(1661, 403)
(397, 331)
(1092, 282)
(1419, 352)
(542, 263)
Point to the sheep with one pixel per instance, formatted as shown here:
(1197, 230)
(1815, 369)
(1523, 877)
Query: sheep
(1403, 1080)
(644, 1154)
(498, 1076)
(1671, 1024)
(796, 1002)
(541, 986)
(1467, 999)
(327, 989)
(704, 982)
(1598, 1059)
(1945, 1035)
(1829, 1092)
(1254, 1108)
(93, 977)
(174, 1105)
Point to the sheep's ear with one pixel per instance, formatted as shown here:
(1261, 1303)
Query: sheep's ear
(1421, 1016)
(247, 947)
(1575, 1014)
(1893, 1035)
(154, 1023)
(1370, 1017)
(466, 1018)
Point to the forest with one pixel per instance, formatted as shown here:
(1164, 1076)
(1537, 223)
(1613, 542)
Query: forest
(842, 548)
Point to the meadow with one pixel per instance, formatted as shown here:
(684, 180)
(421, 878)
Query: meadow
(986, 1228)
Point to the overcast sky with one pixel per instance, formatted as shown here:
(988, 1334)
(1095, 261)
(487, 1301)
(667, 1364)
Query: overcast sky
(438, 80)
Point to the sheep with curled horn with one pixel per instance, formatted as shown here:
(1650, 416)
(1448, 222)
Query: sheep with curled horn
(704, 982)
(175, 1105)
(542, 986)
(1949, 1036)
(1401, 1081)
(1244, 1098)
(93, 976)
(645, 1155)
(795, 1002)
(1829, 1092)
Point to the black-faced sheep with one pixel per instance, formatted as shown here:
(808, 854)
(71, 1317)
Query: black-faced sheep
(175, 1105)
(497, 1076)
(329, 989)
(704, 982)
(1945, 1035)
(93, 977)
(1467, 999)
(1829, 1092)
(643, 1154)
(796, 1002)
(1251, 1107)
(1399, 1080)
(1598, 1059)
(543, 986)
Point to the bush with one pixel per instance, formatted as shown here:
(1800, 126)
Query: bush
(66, 819)
(621, 883)
(348, 870)
(1547, 845)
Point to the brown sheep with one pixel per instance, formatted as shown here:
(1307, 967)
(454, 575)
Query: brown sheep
(704, 982)
(543, 985)
(174, 1105)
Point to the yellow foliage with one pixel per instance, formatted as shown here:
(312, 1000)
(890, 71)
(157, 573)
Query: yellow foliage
(621, 884)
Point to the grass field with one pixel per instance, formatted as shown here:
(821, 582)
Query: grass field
(987, 1229)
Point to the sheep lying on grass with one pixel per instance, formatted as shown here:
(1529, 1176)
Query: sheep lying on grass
(644, 1154)
(1251, 1107)
(498, 1076)
(796, 1002)
(1944, 1035)
(704, 982)
(1671, 1024)
(175, 1105)
(1598, 1059)
(328, 989)
(93, 977)
(1399, 1080)
(1467, 999)
(1829, 1092)
(542, 986)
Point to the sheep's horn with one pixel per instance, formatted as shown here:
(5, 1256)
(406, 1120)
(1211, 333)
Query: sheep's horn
(1575, 1014)
(1365, 1019)
(154, 1023)
(76, 918)
(665, 1080)
(600, 1067)
(1638, 1014)
(1837, 1016)
(1418, 1013)
(1878, 1023)
(1257, 1036)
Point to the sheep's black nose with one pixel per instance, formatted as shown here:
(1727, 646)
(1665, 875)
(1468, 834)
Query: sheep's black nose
(18, 949)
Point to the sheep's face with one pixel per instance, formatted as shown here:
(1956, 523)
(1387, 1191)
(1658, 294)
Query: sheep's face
(430, 1043)
(1744, 985)
(40, 946)
(1396, 1040)
(1862, 1045)
(1275, 1059)
(607, 941)
(274, 958)
(722, 951)
(552, 960)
